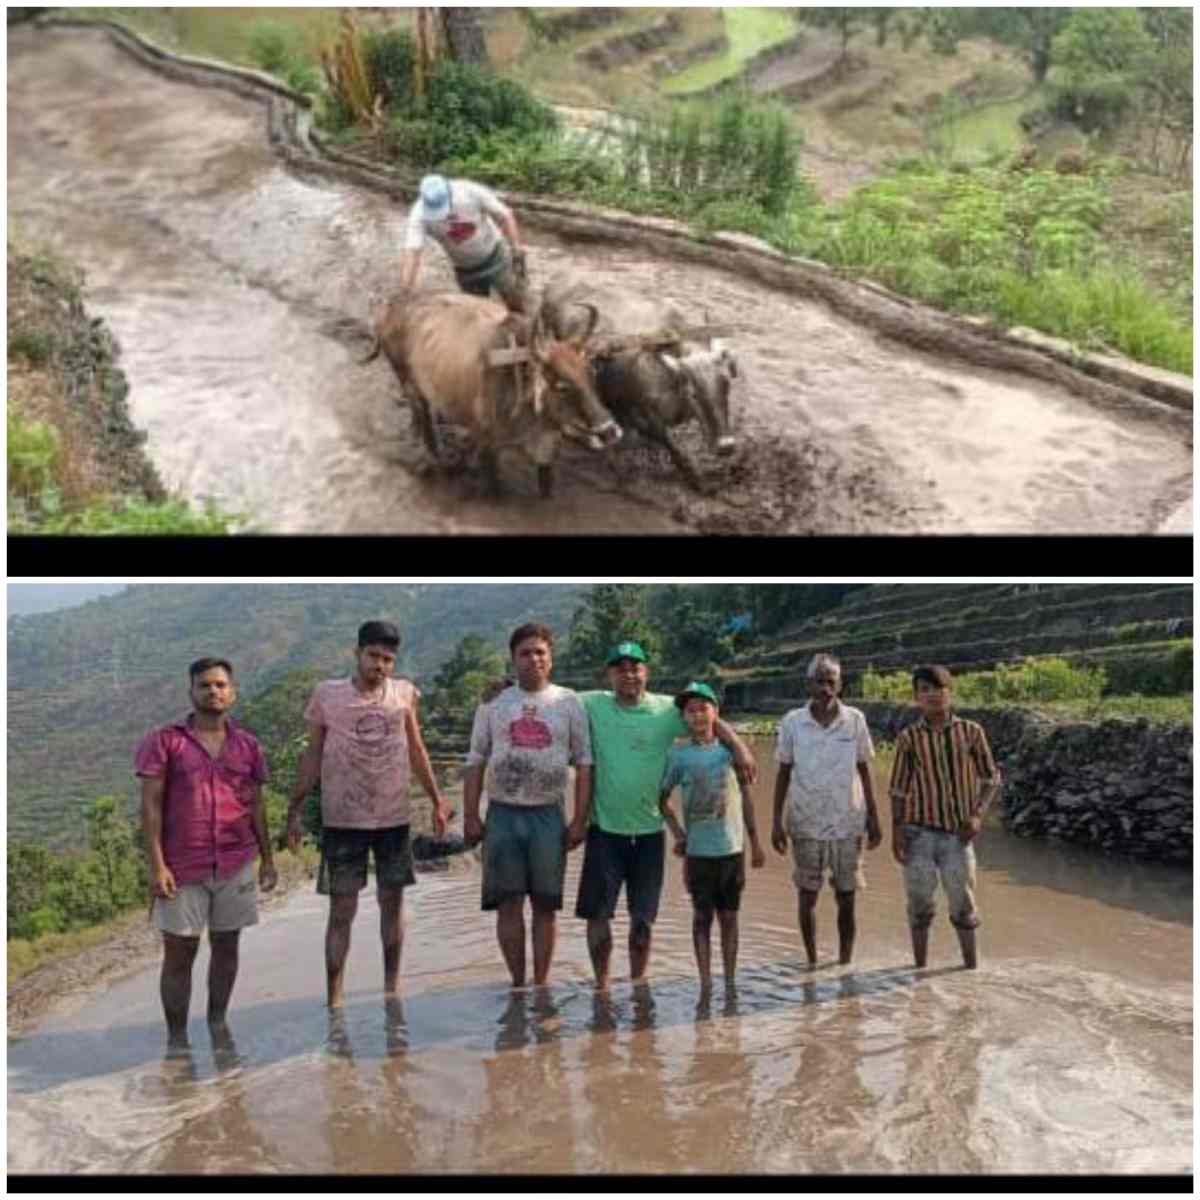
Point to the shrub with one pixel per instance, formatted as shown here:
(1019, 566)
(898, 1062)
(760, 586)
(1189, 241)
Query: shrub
(32, 457)
(35, 346)
(271, 46)
(390, 57)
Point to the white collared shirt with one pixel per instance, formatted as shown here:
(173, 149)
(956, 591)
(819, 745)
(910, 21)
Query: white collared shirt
(825, 797)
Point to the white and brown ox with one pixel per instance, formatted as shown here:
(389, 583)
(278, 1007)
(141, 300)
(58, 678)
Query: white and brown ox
(439, 346)
(647, 390)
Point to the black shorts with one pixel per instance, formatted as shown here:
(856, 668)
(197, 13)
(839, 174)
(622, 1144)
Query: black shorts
(716, 882)
(344, 859)
(610, 859)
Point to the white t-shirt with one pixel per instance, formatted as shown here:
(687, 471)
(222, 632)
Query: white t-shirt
(825, 797)
(467, 231)
(528, 740)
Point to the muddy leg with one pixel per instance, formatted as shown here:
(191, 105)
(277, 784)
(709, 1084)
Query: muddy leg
(491, 470)
(510, 933)
(423, 424)
(808, 925)
(175, 984)
(545, 931)
(966, 941)
(391, 933)
(222, 971)
(337, 945)
(729, 944)
(600, 944)
(920, 944)
(702, 919)
(683, 464)
(545, 482)
(846, 926)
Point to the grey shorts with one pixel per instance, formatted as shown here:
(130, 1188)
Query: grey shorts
(816, 859)
(524, 854)
(934, 854)
(498, 273)
(221, 905)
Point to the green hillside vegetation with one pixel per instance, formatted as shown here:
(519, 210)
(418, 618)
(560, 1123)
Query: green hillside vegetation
(85, 684)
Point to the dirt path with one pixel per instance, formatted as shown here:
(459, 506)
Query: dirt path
(236, 289)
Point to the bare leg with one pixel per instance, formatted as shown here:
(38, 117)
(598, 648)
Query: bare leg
(966, 940)
(599, 939)
(808, 925)
(641, 934)
(222, 971)
(729, 944)
(920, 944)
(701, 941)
(510, 933)
(545, 932)
(846, 926)
(175, 984)
(391, 933)
(342, 910)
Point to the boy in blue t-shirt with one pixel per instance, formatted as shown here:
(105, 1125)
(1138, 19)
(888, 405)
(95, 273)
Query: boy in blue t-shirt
(715, 806)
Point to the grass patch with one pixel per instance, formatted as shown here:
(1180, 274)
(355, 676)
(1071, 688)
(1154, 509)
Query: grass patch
(749, 31)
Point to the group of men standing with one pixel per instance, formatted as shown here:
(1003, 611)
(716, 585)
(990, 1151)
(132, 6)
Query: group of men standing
(205, 823)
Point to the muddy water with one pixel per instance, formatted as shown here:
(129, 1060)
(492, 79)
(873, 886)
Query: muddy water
(1068, 1051)
(229, 283)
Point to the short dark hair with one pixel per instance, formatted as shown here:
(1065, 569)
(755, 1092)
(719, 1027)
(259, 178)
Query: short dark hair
(206, 664)
(532, 629)
(378, 633)
(936, 676)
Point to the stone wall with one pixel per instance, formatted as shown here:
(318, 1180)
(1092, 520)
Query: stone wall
(1121, 786)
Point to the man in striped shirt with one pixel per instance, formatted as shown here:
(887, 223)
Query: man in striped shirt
(943, 780)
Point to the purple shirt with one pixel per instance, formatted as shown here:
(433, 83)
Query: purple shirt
(208, 803)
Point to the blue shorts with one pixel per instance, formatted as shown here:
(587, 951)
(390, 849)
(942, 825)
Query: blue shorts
(524, 854)
(610, 859)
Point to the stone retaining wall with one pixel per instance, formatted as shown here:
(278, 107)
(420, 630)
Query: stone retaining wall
(1121, 786)
(1139, 395)
(626, 47)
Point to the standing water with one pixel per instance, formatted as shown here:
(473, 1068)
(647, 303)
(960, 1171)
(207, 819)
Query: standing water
(1068, 1051)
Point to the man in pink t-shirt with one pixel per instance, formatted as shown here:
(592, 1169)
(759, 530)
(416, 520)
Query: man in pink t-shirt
(363, 741)
(205, 823)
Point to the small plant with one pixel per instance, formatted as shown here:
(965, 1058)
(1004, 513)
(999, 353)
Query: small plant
(271, 47)
(35, 346)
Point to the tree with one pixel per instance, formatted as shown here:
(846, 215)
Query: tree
(848, 23)
(118, 861)
(1166, 83)
(457, 685)
(1029, 30)
(453, 33)
(610, 613)
(1099, 55)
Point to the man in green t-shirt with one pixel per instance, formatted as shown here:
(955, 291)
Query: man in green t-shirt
(632, 731)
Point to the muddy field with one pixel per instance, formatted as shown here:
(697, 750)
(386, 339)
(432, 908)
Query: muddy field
(238, 290)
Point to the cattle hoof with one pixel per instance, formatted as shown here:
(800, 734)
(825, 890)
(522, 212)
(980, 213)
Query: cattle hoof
(545, 477)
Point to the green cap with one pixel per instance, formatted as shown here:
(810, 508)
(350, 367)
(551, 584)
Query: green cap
(696, 689)
(626, 650)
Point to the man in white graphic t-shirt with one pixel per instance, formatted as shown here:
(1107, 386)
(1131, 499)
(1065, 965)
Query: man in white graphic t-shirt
(523, 744)
(467, 220)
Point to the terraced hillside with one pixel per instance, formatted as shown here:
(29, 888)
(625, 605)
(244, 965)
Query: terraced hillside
(970, 627)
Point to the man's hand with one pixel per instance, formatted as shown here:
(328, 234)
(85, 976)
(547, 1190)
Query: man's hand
(874, 833)
(745, 766)
(969, 829)
(899, 846)
(681, 847)
(294, 831)
(779, 839)
(443, 814)
(757, 857)
(472, 830)
(267, 876)
(576, 835)
(163, 883)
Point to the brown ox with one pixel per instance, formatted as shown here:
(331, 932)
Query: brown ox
(439, 347)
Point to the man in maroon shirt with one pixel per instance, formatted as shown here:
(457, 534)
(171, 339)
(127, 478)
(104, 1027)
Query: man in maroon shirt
(205, 822)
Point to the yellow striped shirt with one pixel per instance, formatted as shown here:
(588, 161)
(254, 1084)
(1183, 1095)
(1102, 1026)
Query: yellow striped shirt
(937, 775)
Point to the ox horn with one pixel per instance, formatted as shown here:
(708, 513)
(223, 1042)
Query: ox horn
(593, 320)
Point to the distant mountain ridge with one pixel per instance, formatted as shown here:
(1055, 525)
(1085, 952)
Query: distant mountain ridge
(85, 683)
